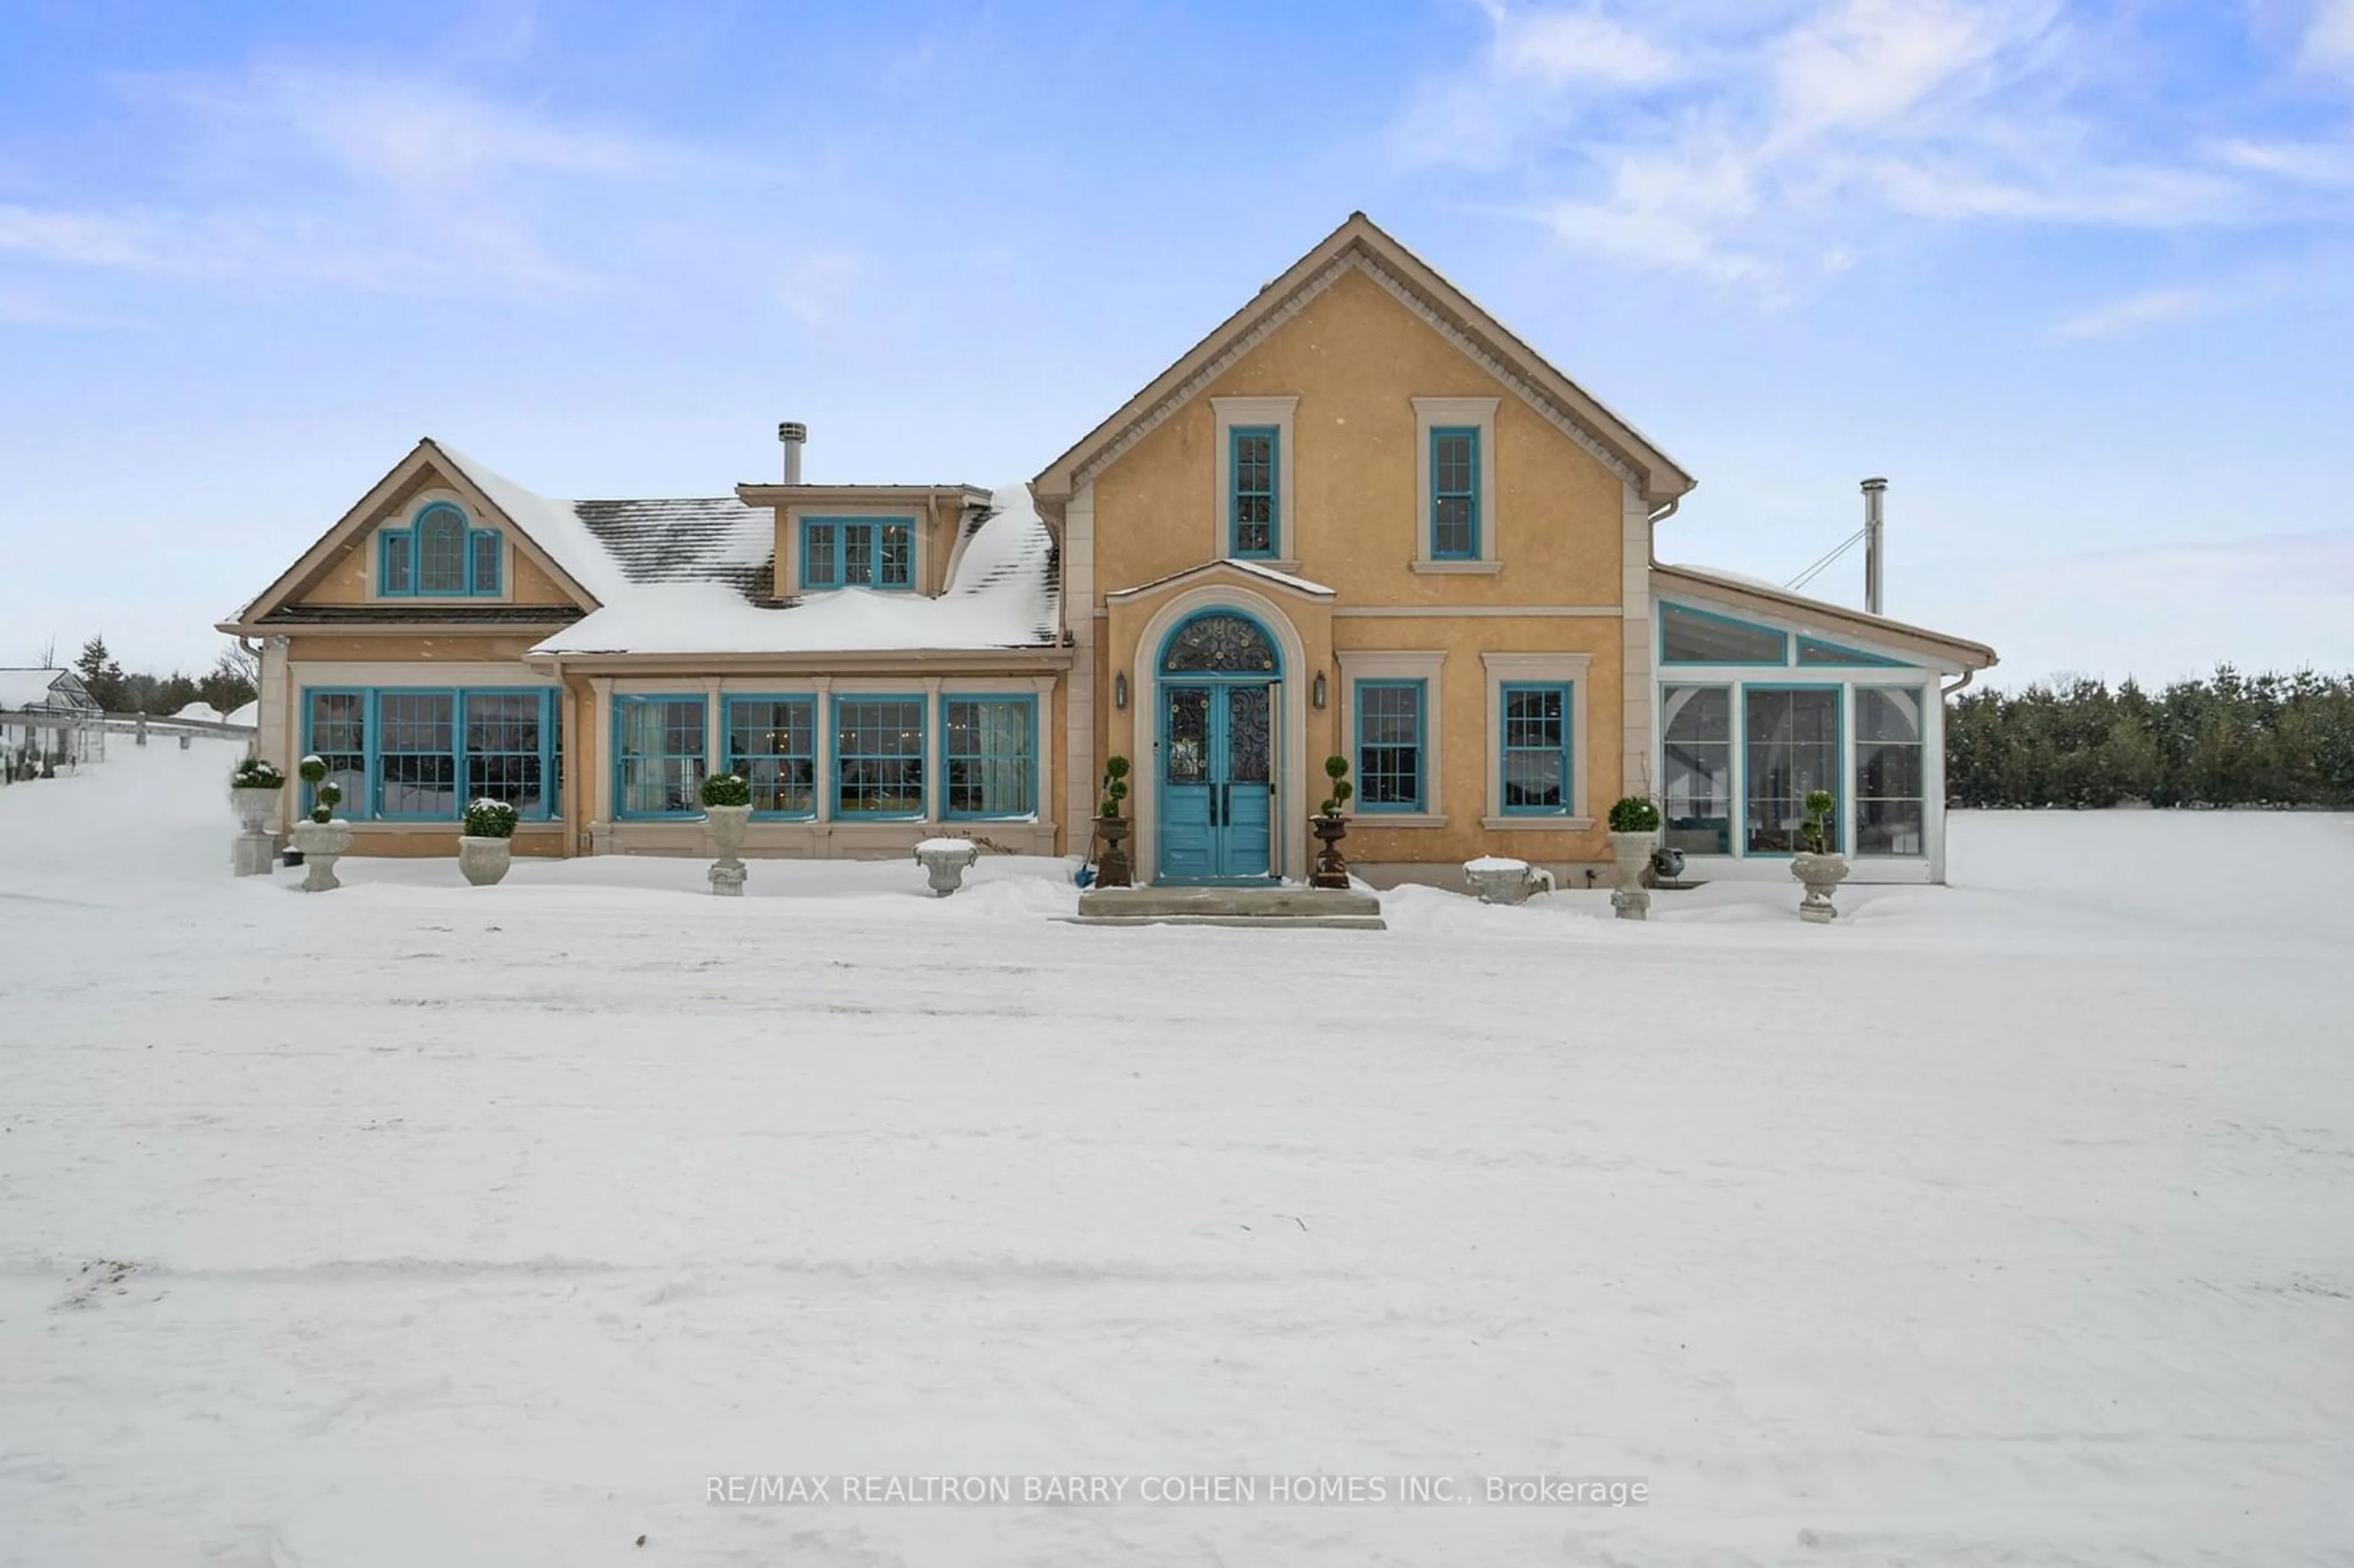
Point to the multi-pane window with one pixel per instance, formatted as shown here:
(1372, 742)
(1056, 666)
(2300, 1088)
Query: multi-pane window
(1890, 788)
(1536, 759)
(1698, 637)
(991, 760)
(1389, 745)
(658, 756)
(503, 757)
(336, 730)
(404, 754)
(439, 554)
(1455, 493)
(1696, 785)
(878, 756)
(1251, 509)
(773, 746)
(1790, 735)
(417, 757)
(858, 552)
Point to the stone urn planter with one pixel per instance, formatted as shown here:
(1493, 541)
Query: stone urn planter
(254, 850)
(1630, 855)
(1111, 861)
(484, 861)
(945, 861)
(484, 849)
(1501, 879)
(1821, 874)
(1331, 867)
(727, 825)
(1635, 822)
(322, 844)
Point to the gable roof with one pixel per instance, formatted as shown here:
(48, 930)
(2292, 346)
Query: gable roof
(694, 574)
(1266, 574)
(1362, 245)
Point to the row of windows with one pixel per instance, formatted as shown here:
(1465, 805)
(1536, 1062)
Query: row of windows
(439, 555)
(1537, 751)
(1255, 522)
(879, 757)
(406, 755)
(858, 552)
(1689, 636)
(1787, 742)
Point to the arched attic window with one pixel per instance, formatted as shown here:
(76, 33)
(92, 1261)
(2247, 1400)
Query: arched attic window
(437, 554)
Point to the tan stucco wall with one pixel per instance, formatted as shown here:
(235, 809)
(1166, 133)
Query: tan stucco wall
(1355, 359)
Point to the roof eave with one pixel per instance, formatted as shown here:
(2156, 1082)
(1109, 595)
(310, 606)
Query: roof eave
(1961, 650)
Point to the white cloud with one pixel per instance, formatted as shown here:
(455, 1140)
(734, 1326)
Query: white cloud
(2151, 308)
(1771, 137)
(2329, 41)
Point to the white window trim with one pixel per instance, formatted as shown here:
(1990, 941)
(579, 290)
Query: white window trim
(1247, 411)
(1515, 669)
(1423, 667)
(789, 549)
(1430, 414)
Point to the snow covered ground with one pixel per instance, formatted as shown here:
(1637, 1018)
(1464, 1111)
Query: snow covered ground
(418, 1223)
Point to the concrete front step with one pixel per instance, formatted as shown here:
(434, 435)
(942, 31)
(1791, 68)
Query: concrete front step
(1295, 906)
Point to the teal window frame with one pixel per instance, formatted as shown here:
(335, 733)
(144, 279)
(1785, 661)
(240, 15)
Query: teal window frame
(951, 757)
(1831, 655)
(700, 756)
(1365, 804)
(1271, 493)
(1467, 489)
(747, 764)
(1782, 639)
(364, 803)
(481, 557)
(844, 758)
(1566, 749)
(839, 533)
(1870, 761)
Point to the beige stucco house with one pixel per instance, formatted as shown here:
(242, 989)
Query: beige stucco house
(1360, 519)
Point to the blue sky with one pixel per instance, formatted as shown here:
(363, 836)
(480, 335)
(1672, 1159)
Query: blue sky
(2074, 276)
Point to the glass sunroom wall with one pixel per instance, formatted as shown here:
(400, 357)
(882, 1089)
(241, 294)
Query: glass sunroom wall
(1696, 782)
(1891, 775)
(1791, 735)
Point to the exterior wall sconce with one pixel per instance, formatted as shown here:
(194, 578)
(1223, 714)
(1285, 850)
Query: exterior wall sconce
(1119, 690)
(1318, 697)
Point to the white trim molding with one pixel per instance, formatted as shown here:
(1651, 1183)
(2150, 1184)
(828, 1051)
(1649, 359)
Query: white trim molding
(1514, 668)
(1430, 414)
(1245, 411)
(1426, 668)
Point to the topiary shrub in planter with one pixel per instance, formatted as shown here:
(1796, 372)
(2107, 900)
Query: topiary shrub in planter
(1634, 832)
(726, 815)
(1330, 826)
(486, 848)
(1111, 829)
(1817, 866)
(322, 837)
(253, 793)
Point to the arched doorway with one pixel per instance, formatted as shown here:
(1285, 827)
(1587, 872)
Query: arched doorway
(1219, 672)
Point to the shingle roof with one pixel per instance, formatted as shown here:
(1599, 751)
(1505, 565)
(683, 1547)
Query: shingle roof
(719, 539)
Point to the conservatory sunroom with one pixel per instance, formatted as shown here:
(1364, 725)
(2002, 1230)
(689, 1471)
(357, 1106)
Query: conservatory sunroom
(1763, 697)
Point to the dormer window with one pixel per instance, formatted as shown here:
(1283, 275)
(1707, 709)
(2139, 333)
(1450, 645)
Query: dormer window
(858, 552)
(439, 554)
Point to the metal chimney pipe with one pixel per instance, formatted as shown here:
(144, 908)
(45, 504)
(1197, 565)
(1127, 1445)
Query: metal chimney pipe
(793, 434)
(1873, 524)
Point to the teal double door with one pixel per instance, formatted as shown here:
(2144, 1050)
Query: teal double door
(1217, 781)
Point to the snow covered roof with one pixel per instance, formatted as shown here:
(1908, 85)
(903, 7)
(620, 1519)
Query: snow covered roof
(687, 577)
(21, 690)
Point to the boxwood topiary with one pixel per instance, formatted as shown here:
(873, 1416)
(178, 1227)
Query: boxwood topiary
(254, 773)
(489, 818)
(726, 790)
(1635, 814)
